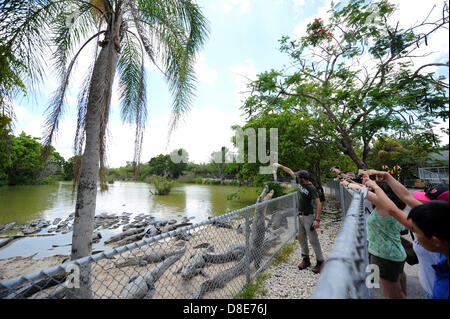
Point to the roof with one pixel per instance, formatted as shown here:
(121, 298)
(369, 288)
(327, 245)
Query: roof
(441, 156)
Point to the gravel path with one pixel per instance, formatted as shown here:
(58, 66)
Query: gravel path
(286, 281)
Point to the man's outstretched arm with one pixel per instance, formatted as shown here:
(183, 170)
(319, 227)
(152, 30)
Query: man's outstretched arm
(286, 169)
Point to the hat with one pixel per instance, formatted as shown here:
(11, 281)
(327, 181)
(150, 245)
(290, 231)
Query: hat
(303, 174)
(439, 193)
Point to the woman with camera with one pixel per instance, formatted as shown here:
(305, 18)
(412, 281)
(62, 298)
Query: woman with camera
(385, 246)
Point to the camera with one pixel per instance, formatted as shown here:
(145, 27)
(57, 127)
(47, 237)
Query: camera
(358, 179)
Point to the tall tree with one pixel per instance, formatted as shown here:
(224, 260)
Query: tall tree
(357, 70)
(128, 33)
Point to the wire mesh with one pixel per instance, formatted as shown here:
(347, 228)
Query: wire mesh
(344, 272)
(212, 259)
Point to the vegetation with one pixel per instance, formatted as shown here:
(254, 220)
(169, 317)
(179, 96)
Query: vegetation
(254, 287)
(124, 31)
(283, 255)
(21, 159)
(350, 106)
(330, 106)
(162, 185)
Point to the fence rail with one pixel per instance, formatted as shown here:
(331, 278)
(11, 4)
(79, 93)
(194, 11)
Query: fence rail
(212, 259)
(434, 175)
(344, 272)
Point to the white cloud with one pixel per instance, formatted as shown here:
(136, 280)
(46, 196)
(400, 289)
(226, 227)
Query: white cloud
(203, 131)
(204, 73)
(229, 5)
(298, 4)
(242, 74)
(22, 114)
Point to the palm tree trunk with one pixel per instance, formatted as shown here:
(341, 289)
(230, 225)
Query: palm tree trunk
(99, 101)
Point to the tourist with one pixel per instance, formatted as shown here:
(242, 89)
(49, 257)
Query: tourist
(306, 196)
(385, 246)
(426, 258)
(431, 233)
(430, 224)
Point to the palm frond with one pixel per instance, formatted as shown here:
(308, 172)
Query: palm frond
(24, 28)
(180, 30)
(55, 109)
(133, 91)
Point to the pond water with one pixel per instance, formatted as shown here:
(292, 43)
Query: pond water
(23, 204)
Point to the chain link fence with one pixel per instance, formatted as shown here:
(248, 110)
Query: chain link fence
(212, 259)
(343, 275)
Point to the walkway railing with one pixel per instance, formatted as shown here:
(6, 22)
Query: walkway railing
(212, 259)
(434, 175)
(344, 272)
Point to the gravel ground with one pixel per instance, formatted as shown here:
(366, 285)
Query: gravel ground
(286, 281)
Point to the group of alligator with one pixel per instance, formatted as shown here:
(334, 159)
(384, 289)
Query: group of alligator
(263, 236)
(142, 225)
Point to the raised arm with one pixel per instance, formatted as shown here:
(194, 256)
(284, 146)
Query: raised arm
(386, 206)
(286, 169)
(371, 196)
(401, 191)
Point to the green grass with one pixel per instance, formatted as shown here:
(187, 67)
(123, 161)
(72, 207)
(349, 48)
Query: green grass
(254, 287)
(283, 255)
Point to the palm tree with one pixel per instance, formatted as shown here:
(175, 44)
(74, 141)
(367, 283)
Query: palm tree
(129, 33)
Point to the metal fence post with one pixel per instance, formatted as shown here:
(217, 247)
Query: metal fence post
(342, 200)
(294, 201)
(247, 245)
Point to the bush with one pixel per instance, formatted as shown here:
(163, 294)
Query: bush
(48, 180)
(162, 185)
(212, 182)
(198, 180)
(279, 190)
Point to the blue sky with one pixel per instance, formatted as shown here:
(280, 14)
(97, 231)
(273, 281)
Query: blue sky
(243, 41)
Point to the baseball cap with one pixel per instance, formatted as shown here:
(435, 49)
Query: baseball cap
(303, 174)
(439, 193)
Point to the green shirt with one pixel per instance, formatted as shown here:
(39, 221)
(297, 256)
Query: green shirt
(305, 194)
(384, 237)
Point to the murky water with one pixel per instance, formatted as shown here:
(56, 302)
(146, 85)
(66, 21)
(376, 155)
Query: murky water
(23, 204)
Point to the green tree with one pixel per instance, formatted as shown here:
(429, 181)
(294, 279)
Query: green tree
(6, 140)
(359, 99)
(26, 160)
(127, 32)
(178, 160)
(303, 143)
(163, 165)
(409, 154)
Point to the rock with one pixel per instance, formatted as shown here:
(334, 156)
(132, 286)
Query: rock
(56, 221)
